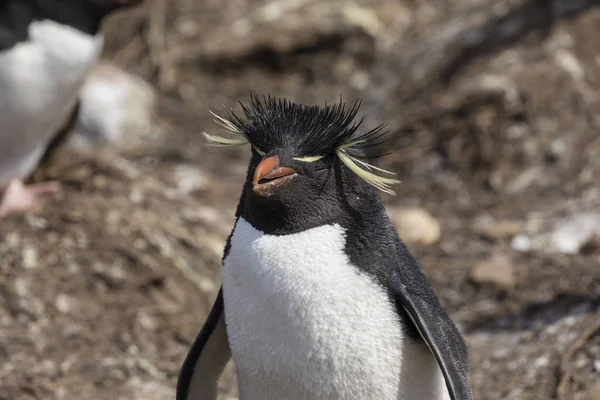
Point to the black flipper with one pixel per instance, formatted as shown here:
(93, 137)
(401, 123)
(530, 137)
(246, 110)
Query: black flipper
(433, 324)
(62, 135)
(206, 359)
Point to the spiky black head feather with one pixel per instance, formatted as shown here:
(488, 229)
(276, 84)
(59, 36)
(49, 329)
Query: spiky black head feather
(306, 133)
(305, 130)
(321, 145)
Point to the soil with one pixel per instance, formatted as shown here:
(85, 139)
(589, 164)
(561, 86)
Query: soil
(493, 117)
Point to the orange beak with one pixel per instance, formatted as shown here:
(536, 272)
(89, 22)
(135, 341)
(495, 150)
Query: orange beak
(268, 178)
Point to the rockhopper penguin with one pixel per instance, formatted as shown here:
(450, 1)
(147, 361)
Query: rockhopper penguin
(47, 47)
(320, 299)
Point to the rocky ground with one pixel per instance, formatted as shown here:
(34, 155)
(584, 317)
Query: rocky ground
(493, 114)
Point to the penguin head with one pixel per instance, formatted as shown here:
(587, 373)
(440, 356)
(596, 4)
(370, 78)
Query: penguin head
(307, 161)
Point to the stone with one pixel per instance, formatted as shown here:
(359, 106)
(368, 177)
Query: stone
(30, 257)
(490, 228)
(568, 235)
(572, 234)
(498, 270)
(64, 303)
(190, 179)
(115, 107)
(416, 225)
(521, 243)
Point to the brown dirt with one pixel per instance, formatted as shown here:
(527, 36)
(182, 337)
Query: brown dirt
(494, 115)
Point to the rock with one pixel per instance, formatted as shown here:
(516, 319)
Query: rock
(568, 236)
(415, 225)
(22, 287)
(573, 233)
(521, 242)
(568, 62)
(492, 229)
(12, 239)
(114, 106)
(30, 257)
(64, 303)
(495, 86)
(147, 321)
(498, 270)
(190, 179)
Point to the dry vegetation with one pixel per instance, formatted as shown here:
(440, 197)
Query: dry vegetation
(494, 115)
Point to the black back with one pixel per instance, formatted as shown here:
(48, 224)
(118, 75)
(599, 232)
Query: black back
(375, 248)
(84, 15)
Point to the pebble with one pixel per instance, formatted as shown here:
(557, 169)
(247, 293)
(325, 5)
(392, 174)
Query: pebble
(12, 239)
(416, 225)
(22, 286)
(30, 257)
(575, 232)
(498, 270)
(521, 243)
(147, 321)
(568, 236)
(567, 61)
(190, 179)
(493, 229)
(63, 303)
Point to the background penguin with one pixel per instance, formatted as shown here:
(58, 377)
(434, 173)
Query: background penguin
(47, 48)
(319, 298)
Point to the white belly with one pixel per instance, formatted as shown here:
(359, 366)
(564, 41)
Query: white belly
(305, 324)
(39, 85)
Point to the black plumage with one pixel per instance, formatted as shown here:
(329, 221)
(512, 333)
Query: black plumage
(328, 191)
(304, 130)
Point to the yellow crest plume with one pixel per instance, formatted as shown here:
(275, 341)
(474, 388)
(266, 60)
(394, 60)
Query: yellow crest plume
(229, 127)
(361, 168)
(364, 170)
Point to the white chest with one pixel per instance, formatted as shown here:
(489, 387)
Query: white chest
(39, 83)
(305, 324)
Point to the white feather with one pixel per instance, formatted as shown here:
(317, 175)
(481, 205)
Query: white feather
(303, 323)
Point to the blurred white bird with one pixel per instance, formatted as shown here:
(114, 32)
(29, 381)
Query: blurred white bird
(47, 48)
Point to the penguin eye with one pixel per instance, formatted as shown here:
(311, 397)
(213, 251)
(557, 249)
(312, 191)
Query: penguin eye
(309, 159)
(259, 151)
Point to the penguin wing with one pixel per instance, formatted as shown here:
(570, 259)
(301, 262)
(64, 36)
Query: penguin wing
(412, 290)
(206, 359)
(62, 135)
